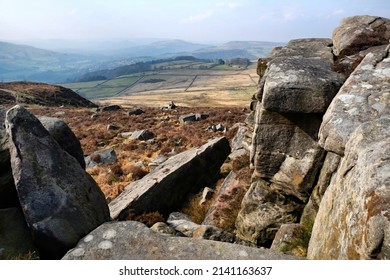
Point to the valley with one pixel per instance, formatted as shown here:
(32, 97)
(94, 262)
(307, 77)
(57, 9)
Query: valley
(218, 86)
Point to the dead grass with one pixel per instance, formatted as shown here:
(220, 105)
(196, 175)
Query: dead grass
(133, 156)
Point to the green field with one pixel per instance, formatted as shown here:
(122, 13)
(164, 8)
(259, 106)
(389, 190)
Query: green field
(220, 85)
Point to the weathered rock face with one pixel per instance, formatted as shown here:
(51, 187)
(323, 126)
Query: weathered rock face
(359, 33)
(134, 241)
(328, 170)
(356, 204)
(264, 209)
(303, 85)
(61, 132)
(356, 127)
(288, 239)
(60, 201)
(295, 90)
(168, 186)
(365, 96)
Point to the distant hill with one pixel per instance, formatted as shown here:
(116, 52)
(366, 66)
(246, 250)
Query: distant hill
(21, 62)
(40, 94)
(244, 49)
(161, 48)
(26, 63)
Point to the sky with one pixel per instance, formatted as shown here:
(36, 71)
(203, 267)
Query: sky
(191, 20)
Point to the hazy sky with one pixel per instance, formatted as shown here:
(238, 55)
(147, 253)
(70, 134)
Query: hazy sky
(192, 20)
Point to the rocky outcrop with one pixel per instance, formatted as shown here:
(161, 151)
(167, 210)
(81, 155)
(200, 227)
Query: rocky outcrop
(356, 202)
(294, 91)
(134, 241)
(359, 33)
(60, 201)
(363, 97)
(167, 187)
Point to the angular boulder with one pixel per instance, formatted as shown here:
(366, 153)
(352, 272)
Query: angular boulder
(358, 33)
(365, 96)
(61, 132)
(60, 201)
(131, 240)
(169, 185)
(101, 157)
(142, 135)
(353, 220)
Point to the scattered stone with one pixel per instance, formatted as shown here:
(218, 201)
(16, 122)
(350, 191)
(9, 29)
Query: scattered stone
(163, 228)
(215, 128)
(187, 118)
(180, 175)
(206, 195)
(126, 134)
(213, 233)
(142, 135)
(136, 112)
(182, 223)
(126, 244)
(94, 116)
(201, 116)
(110, 108)
(60, 201)
(101, 157)
(64, 136)
(113, 127)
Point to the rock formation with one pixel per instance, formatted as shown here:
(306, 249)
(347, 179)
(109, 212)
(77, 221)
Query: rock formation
(320, 142)
(174, 180)
(61, 202)
(295, 90)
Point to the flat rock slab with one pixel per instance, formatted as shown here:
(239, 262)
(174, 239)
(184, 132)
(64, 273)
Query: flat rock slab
(60, 201)
(169, 185)
(131, 240)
